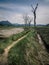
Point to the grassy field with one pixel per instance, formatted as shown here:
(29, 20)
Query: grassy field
(8, 32)
(26, 51)
(9, 27)
(4, 42)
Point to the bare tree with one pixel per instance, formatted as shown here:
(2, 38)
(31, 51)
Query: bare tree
(27, 21)
(25, 17)
(34, 12)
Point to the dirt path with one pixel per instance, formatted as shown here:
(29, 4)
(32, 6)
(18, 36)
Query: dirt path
(40, 41)
(3, 58)
(43, 55)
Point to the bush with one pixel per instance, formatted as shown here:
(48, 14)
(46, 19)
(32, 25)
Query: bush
(1, 51)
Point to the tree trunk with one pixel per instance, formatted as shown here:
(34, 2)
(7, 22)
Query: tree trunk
(34, 20)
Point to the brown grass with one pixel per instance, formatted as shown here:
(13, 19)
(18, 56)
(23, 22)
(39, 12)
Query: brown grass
(9, 32)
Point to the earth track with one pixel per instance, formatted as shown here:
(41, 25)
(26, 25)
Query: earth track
(44, 52)
(3, 58)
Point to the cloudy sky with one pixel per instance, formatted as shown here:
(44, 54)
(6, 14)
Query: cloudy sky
(13, 10)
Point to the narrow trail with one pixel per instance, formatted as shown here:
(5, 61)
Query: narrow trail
(3, 58)
(42, 53)
(40, 41)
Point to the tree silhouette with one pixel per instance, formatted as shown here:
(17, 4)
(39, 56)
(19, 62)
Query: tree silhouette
(27, 21)
(25, 17)
(34, 12)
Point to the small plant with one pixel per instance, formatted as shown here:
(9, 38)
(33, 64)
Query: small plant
(1, 51)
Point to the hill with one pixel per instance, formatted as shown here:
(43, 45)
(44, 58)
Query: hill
(47, 25)
(5, 23)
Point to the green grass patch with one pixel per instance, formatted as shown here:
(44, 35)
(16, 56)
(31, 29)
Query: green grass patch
(1, 51)
(4, 42)
(25, 51)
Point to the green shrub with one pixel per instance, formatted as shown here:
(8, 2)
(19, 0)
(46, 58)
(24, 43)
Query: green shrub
(1, 51)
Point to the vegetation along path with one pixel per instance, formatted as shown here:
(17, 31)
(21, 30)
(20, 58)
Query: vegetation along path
(3, 58)
(43, 52)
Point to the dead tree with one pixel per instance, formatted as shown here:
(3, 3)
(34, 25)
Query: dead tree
(29, 21)
(34, 12)
(25, 17)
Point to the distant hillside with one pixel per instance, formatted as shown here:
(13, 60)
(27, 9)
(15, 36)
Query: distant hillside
(16, 24)
(47, 25)
(5, 23)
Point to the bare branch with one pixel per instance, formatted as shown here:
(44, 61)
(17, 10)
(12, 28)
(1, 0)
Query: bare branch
(25, 17)
(36, 7)
(32, 8)
(29, 20)
(34, 12)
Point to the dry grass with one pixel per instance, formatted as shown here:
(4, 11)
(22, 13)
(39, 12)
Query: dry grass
(9, 32)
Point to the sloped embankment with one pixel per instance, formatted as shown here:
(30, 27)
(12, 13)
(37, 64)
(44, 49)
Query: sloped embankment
(28, 52)
(3, 57)
(44, 34)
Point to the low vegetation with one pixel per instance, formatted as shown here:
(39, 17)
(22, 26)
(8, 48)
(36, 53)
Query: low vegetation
(4, 42)
(1, 51)
(6, 27)
(44, 33)
(26, 51)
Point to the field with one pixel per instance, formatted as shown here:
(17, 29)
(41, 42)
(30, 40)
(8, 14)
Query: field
(10, 37)
(6, 27)
(27, 51)
(4, 42)
(9, 32)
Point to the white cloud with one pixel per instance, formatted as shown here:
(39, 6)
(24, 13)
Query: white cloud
(43, 15)
(46, 0)
(15, 8)
(17, 17)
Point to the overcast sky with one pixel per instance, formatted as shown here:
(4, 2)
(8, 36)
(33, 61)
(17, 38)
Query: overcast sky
(13, 10)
